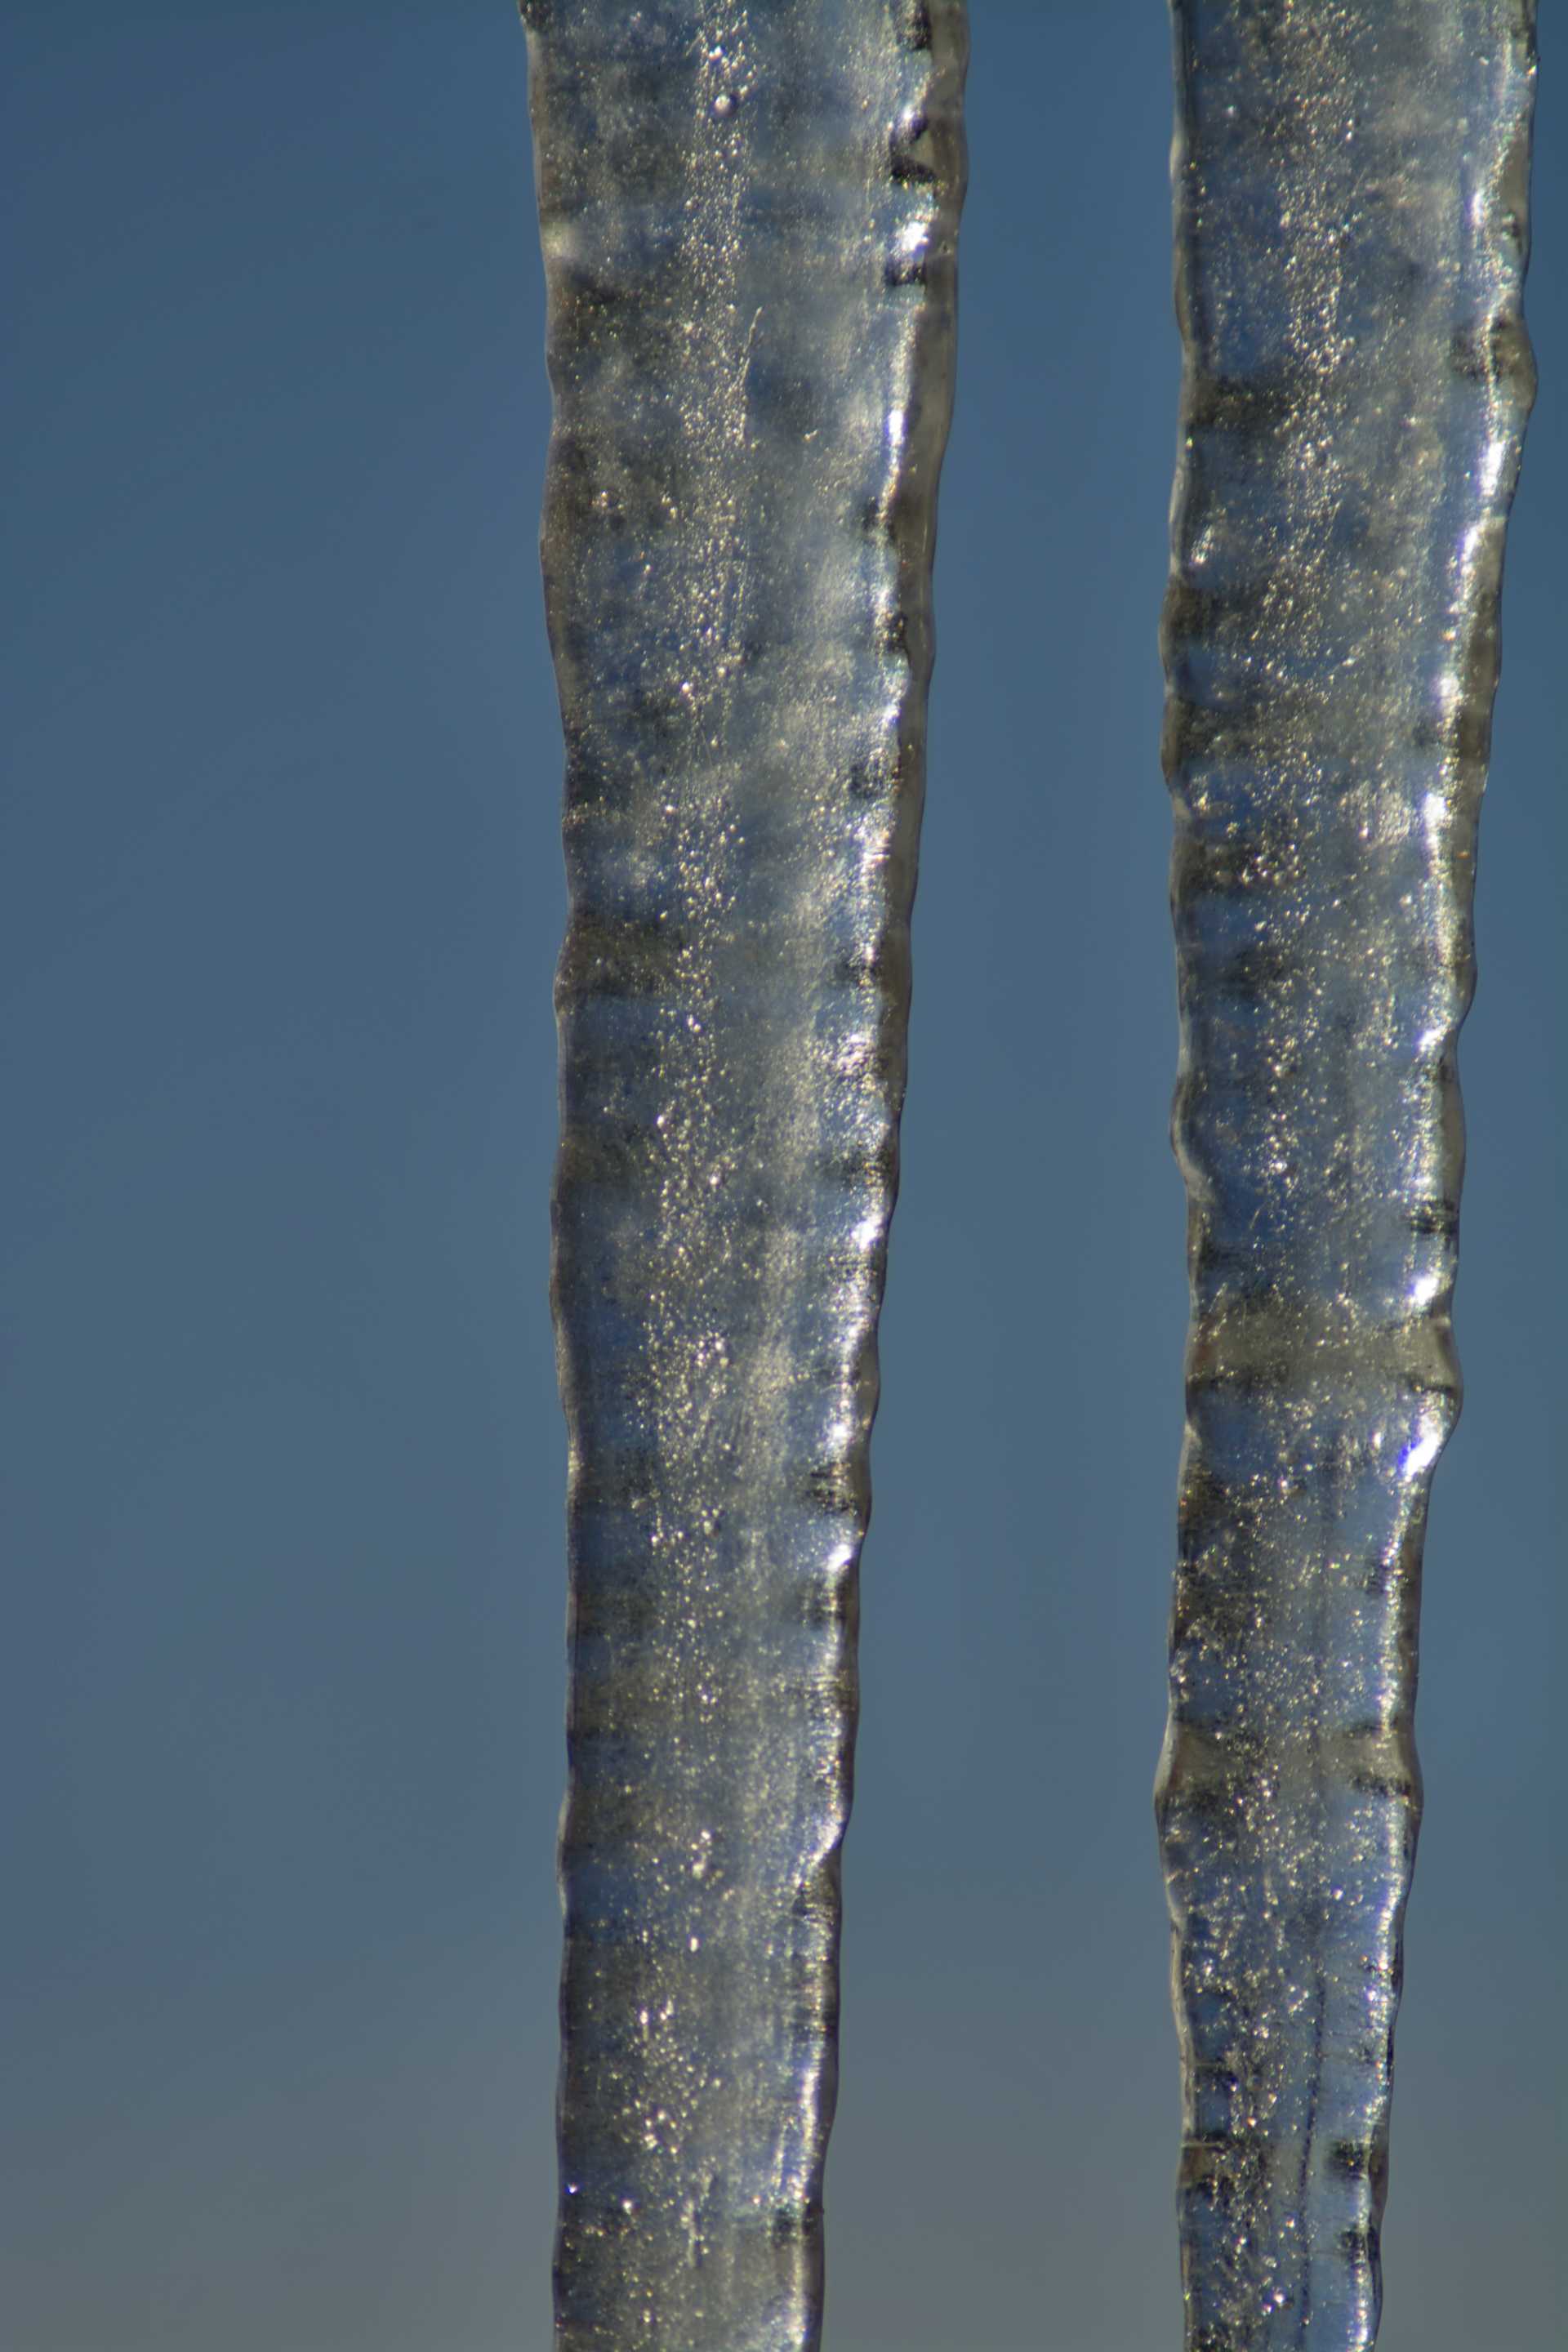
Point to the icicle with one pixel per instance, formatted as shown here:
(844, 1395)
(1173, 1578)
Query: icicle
(749, 216)
(1350, 187)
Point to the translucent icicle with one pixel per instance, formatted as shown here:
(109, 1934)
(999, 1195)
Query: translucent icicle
(749, 218)
(1351, 183)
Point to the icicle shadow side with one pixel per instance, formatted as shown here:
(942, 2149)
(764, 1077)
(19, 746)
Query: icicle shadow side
(749, 220)
(1350, 187)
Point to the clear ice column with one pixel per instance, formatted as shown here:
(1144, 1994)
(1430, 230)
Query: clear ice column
(1351, 189)
(749, 216)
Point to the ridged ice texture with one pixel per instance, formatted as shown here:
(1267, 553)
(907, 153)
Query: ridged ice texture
(749, 216)
(1350, 181)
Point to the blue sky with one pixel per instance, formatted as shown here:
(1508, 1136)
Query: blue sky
(279, 1435)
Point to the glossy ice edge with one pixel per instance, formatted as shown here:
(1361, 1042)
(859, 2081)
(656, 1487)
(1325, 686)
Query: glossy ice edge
(749, 216)
(1350, 186)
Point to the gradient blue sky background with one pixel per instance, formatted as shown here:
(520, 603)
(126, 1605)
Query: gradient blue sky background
(281, 1453)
